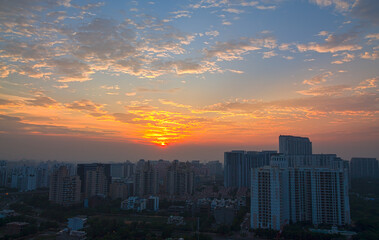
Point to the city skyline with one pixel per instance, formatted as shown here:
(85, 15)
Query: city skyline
(92, 81)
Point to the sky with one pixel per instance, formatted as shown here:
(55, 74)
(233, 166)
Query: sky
(104, 81)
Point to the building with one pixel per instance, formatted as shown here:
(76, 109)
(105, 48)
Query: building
(180, 179)
(300, 188)
(64, 189)
(319, 195)
(238, 165)
(152, 203)
(15, 228)
(292, 145)
(214, 168)
(364, 168)
(119, 190)
(269, 198)
(145, 179)
(76, 223)
(134, 203)
(96, 183)
(82, 170)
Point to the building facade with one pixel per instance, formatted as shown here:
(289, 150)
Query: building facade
(238, 165)
(364, 168)
(64, 189)
(301, 188)
(292, 145)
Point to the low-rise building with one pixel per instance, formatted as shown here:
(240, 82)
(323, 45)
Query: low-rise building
(76, 223)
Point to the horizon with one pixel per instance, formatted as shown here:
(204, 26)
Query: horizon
(109, 81)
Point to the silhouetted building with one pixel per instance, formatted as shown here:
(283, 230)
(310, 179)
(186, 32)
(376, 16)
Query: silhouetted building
(82, 170)
(180, 178)
(292, 145)
(64, 189)
(145, 179)
(96, 183)
(364, 168)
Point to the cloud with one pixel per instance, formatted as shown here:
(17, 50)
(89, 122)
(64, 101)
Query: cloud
(339, 5)
(129, 94)
(368, 83)
(333, 43)
(153, 90)
(113, 87)
(374, 36)
(87, 106)
(71, 70)
(234, 50)
(213, 33)
(16, 125)
(367, 10)
(233, 10)
(180, 14)
(371, 56)
(320, 78)
(125, 117)
(335, 90)
(266, 7)
(269, 54)
(41, 101)
(347, 57)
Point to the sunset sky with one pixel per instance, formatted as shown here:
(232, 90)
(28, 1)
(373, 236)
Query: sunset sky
(117, 80)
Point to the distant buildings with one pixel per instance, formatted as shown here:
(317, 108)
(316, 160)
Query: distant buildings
(64, 189)
(292, 145)
(364, 168)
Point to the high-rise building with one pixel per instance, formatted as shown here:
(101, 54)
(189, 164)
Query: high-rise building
(238, 165)
(180, 178)
(82, 170)
(364, 168)
(145, 179)
(292, 145)
(64, 189)
(96, 183)
(269, 197)
(300, 188)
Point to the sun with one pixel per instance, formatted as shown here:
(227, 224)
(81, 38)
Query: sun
(163, 144)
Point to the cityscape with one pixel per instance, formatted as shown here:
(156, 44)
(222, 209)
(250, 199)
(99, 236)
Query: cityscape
(252, 194)
(189, 120)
